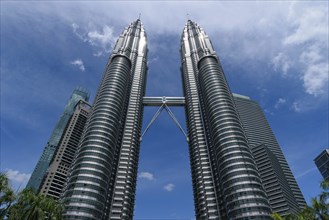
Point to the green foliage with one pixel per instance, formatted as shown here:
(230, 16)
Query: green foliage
(27, 205)
(319, 210)
(276, 216)
(7, 195)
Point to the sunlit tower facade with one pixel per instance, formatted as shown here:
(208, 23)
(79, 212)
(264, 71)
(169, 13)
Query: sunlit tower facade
(102, 180)
(226, 183)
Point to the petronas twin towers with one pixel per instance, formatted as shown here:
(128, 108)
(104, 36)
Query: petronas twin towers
(102, 179)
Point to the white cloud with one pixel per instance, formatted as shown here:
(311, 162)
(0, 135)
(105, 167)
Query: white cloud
(316, 79)
(296, 106)
(311, 55)
(282, 63)
(79, 63)
(311, 24)
(103, 40)
(169, 187)
(146, 175)
(315, 75)
(280, 102)
(18, 177)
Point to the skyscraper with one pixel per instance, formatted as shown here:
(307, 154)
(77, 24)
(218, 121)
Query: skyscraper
(280, 185)
(226, 183)
(102, 180)
(225, 178)
(322, 162)
(53, 142)
(55, 179)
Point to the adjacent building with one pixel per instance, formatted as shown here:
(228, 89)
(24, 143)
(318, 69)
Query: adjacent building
(54, 140)
(280, 185)
(55, 179)
(322, 162)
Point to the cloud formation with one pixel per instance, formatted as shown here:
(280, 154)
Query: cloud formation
(17, 176)
(280, 102)
(78, 63)
(169, 187)
(146, 175)
(282, 63)
(102, 41)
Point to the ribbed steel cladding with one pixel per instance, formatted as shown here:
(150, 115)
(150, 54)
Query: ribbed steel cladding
(85, 194)
(203, 186)
(123, 204)
(238, 174)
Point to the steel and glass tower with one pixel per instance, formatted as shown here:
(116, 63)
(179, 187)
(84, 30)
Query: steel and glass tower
(102, 180)
(280, 185)
(322, 163)
(225, 178)
(54, 140)
(55, 179)
(226, 182)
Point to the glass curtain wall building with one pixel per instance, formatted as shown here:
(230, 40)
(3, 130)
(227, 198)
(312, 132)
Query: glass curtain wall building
(54, 140)
(322, 163)
(55, 179)
(280, 185)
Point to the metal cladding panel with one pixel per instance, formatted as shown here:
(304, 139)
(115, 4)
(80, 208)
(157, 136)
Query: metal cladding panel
(88, 184)
(102, 181)
(239, 192)
(123, 198)
(205, 200)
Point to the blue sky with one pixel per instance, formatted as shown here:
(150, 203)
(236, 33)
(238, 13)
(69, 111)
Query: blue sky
(276, 52)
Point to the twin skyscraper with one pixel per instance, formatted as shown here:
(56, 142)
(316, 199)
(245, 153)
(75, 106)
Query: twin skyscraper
(238, 169)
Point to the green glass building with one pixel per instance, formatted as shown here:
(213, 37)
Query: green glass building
(47, 155)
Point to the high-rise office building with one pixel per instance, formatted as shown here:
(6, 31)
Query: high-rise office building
(226, 181)
(102, 180)
(322, 162)
(53, 142)
(280, 185)
(55, 178)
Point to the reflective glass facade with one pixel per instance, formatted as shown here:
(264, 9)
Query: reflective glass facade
(322, 162)
(280, 185)
(56, 176)
(51, 146)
